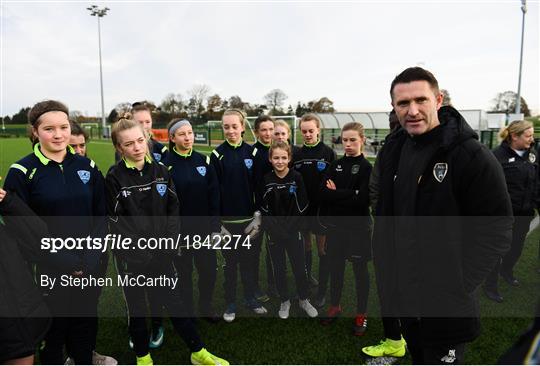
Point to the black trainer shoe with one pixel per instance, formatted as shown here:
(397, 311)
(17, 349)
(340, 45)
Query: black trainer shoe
(493, 295)
(510, 279)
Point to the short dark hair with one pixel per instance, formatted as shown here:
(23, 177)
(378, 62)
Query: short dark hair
(262, 118)
(414, 74)
(43, 107)
(77, 130)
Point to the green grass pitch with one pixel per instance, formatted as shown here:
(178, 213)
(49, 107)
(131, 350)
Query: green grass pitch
(270, 340)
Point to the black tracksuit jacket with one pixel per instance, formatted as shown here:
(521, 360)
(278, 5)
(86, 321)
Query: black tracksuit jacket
(312, 162)
(263, 167)
(284, 202)
(236, 169)
(70, 198)
(141, 204)
(197, 187)
(462, 225)
(347, 207)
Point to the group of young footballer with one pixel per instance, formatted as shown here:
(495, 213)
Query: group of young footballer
(273, 193)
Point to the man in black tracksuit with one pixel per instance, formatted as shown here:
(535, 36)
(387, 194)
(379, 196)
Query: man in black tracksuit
(443, 218)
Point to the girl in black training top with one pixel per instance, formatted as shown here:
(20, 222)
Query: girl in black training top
(284, 204)
(345, 196)
(142, 203)
(312, 160)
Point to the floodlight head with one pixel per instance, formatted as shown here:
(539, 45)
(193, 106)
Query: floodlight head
(97, 11)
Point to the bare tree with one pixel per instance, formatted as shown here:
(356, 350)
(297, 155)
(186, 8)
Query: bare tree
(172, 103)
(198, 94)
(275, 99)
(236, 102)
(323, 105)
(505, 102)
(214, 103)
(214, 107)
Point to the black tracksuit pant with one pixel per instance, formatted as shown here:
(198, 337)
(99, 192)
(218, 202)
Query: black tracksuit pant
(205, 262)
(324, 275)
(429, 354)
(240, 258)
(102, 272)
(341, 247)
(136, 306)
(392, 328)
(257, 246)
(293, 247)
(74, 312)
(505, 265)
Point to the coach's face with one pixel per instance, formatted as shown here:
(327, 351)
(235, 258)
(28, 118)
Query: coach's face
(416, 105)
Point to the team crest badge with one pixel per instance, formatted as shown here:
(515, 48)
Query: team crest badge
(161, 188)
(439, 171)
(201, 170)
(292, 189)
(157, 157)
(355, 169)
(249, 163)
(532, 157)
(84, 175)
(321, 165)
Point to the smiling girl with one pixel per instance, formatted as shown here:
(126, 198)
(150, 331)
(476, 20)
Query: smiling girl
(67, 191)
(284, 204)
(234, 161)
(312, 161)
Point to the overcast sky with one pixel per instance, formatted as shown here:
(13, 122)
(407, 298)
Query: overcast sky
(347, 51)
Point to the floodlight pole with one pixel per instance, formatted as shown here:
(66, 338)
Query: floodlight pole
(518, 101)
(99, 13)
